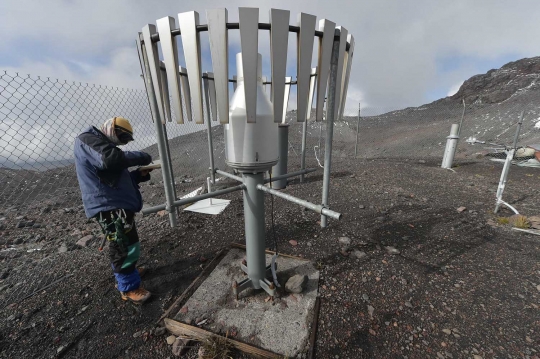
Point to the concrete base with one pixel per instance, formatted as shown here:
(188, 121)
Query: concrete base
(281, 326)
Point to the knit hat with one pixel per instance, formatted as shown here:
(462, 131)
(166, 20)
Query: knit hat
(118, 130)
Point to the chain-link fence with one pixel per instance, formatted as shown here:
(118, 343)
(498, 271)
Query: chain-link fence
(40, 118)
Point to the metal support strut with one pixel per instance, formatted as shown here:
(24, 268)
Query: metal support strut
(304, 144)
(281, 167)
(255, 237)
(161, 143)
(330, 112)
(209, 133)
(255, 267)
(314, 207)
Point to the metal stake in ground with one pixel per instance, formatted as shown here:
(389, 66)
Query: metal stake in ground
(506, 168)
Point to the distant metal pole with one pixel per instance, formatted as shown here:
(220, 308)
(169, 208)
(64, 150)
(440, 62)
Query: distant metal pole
(330, 109)
(462, 116)
(453, 154)
(518, 130)
(303, 158)
(451, 145)
(161, 143)
(357, 130)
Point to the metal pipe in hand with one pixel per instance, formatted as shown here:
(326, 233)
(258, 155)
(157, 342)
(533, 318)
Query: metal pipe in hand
(518, 129)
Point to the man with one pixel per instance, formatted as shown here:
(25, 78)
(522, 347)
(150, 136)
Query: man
(110, 194)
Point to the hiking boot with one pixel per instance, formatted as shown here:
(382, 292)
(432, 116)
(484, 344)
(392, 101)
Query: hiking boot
(137, 296)
(142, 271)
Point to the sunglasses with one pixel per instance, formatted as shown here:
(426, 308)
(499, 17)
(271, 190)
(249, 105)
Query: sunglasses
(123, 136)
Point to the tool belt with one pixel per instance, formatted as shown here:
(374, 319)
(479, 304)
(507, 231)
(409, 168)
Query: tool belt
(115, 225)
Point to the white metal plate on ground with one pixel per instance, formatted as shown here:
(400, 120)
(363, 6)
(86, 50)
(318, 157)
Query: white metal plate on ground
(209, 206)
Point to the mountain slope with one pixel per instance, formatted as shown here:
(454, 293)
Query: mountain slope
(498, 85)
(494, 101)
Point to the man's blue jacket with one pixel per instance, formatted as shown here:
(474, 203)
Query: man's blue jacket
(102, 170)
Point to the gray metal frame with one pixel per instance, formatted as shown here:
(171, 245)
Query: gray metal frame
(160, 134)
(210, 101)
(280, 168)
(330, 77)
(331, 112)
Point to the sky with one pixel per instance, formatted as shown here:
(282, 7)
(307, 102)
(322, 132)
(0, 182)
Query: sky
(407, 52)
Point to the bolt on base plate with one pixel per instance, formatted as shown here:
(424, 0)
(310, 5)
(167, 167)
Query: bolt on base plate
(246, 283)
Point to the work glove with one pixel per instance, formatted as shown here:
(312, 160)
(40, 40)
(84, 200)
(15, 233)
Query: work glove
(147, 159)
(137, 158)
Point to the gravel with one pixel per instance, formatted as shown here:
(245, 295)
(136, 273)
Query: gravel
(411, 297)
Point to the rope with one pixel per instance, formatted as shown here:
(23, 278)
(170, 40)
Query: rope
(317, 157)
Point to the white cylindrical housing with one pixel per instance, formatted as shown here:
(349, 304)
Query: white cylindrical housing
(451, 145)
(250, 147)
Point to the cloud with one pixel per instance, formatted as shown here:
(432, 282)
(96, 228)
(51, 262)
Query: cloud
(122, 69)
(399, 45)
(454, 89)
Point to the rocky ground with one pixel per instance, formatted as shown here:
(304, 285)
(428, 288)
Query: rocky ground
(413, 278)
